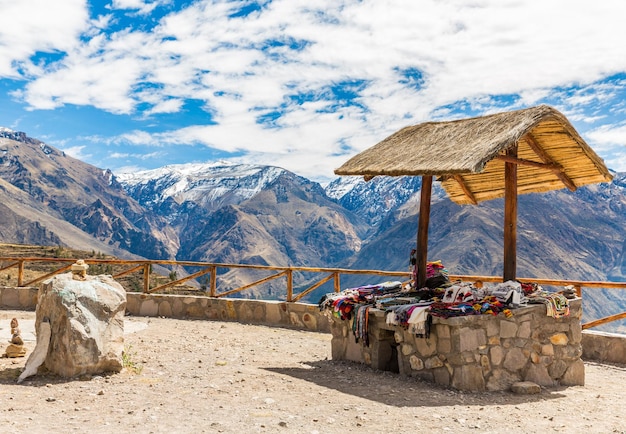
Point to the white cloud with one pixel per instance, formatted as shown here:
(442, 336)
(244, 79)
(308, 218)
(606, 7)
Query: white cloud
(466, 50)
(609, 141)
(76, 152)
(607, 136)
(125, 155)
(142, 7)
(619, 162)
(29, 26)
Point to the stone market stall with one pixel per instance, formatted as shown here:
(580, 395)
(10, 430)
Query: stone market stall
(475, 352)
(476, 159)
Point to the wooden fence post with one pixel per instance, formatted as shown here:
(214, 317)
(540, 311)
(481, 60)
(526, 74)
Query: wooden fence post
(146, 278)
(289, 285)
(20, 273)
(213, 290)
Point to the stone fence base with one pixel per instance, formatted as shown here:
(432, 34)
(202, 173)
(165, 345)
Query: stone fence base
(273, 313)
(604, 347)
(18, 298)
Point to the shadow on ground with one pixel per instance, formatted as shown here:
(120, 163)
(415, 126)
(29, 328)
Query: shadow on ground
(9, 376)
(399, 391)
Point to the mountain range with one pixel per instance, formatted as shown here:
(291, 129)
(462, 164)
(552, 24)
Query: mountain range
(245, 214)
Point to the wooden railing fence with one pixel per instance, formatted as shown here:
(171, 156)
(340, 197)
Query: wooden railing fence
(145, 266)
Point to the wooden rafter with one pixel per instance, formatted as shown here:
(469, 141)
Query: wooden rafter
(466, 189)
(519, 161)
(534, 145)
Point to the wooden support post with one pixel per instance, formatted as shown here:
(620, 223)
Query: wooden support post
(510, 217)
(421, 254)
(337, 283)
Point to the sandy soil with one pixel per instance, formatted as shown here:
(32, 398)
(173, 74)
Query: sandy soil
(207, 376)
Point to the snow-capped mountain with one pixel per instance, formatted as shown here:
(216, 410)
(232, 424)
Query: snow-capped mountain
(343, 185)
(209, 185)
(380, 196)
(374, 199)
(380, 207)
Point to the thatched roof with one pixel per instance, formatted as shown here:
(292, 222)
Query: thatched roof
(469, 154)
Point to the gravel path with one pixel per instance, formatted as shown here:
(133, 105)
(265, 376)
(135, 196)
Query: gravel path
(209, 376)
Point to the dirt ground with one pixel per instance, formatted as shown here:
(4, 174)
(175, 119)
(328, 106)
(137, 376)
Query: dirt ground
(209, 376)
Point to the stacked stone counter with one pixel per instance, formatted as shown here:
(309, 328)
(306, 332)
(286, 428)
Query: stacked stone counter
(475, 352)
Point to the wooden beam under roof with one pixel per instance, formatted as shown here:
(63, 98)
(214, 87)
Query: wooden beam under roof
(519, 161)
(536, 147)
(465, 188)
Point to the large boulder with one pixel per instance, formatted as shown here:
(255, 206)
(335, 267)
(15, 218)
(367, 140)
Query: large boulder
(86, 320)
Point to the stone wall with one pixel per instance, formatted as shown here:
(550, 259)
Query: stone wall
(18, 298)
(604, 347)
(476, 352)
(274, 313)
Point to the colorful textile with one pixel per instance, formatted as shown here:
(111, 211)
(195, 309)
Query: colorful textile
(487, 306)
(434, 268)
(360, 324)
(414, 309)
(343, 304)
(447, 310)
(511, 293)
(458, 293)
(413, 317)
(418, 320)
(436, 273)
(557, 305)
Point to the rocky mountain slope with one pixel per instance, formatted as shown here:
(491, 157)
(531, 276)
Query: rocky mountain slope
(47, 191)
(245, 214)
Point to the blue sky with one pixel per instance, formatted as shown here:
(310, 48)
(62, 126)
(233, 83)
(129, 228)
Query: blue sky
(134, 84)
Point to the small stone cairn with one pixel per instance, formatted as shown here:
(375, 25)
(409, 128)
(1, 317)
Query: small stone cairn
(16, 343)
